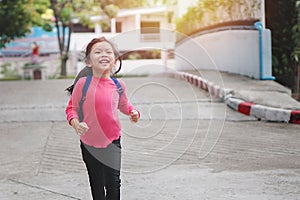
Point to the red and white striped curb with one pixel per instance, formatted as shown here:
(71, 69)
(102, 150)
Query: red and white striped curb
(247, 108)
(213, 89)
(264, 112)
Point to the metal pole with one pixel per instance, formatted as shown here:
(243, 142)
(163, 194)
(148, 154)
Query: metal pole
(263, 13)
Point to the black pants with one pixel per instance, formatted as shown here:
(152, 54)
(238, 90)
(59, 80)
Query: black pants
(103, 166)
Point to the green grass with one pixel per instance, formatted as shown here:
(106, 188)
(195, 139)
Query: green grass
(17, 78)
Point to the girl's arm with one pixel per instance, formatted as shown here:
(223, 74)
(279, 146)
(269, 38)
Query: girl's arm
(134, 115)
(126, 107)
(73, 108)
(73, 105)
(80, 127)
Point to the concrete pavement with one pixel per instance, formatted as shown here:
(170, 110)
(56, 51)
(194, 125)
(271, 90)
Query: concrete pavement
(179, 158)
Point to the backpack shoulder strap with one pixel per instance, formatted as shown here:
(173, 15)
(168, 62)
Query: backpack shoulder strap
(119, 87)
(84, 90)
(85, 87)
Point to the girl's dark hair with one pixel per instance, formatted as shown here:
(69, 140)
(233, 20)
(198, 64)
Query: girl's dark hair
(88, 70)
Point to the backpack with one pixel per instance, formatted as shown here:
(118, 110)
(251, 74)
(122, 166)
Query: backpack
(85, 88)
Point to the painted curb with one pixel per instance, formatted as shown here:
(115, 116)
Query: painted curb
(248, 108)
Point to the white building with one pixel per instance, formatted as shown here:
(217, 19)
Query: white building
(133, 29)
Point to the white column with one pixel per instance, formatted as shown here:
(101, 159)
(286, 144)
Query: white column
(138, 21)
(98, 28)
(164, 57)
(113, 25)
(263, 13)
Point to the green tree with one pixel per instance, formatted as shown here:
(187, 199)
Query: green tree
(36, 8)
(18, 16)
(124, 3)
(63, 13)
(14, 20)
(282, 20)
(296, 54)
(296, 35)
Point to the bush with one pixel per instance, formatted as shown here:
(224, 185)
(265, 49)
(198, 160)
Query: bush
(8, 72)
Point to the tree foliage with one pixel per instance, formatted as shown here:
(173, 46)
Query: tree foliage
(36, 8)
(65, 13)
(14, 20)
(296, 35)
(210, 12)
(18, 16)
(123, 3)
(283, 20)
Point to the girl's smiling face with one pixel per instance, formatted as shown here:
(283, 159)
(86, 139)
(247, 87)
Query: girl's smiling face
(101, 59)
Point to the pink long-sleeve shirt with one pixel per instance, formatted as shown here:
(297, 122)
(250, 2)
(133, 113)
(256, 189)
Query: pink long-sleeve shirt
(100, 110)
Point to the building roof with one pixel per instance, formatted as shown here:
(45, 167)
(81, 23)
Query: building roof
(134, 11)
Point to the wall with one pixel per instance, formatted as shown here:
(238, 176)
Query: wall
(47, 42)
(234, 51)
(125, 41)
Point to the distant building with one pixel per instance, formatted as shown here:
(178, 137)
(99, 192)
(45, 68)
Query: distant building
(47, 42)
(132, 29)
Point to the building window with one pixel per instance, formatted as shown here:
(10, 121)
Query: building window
(118, 27)
(150, 31)
(79, 28)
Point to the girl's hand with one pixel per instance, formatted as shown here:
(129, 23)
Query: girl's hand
(134, 116)
(80, 127)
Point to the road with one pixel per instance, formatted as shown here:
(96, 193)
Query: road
(187, 145)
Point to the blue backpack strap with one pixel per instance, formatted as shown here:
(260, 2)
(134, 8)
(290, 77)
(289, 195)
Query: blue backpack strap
(119, 87)
(84, 90)
(85, 87)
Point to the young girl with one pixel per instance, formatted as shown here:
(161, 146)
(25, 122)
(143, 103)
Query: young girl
(100, 129)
